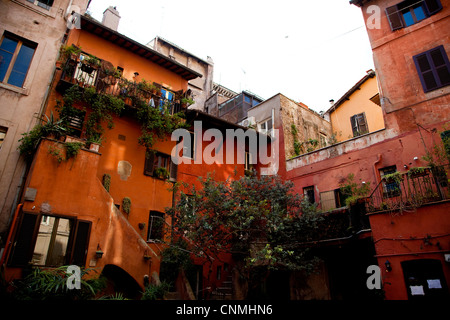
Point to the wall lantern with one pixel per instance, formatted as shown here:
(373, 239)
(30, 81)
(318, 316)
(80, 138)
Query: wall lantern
(388, 266)
(99, 252)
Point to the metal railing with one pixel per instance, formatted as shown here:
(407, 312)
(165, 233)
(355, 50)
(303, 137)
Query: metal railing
(131, 92)
(409, 190)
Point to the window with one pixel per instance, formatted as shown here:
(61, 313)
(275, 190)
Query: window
(409, 12)
(359, 124)
(156, 226)
(390, 188)
(46, 4)
(3, 131)
(166, 100)
(309, 194)
(332, 199)
(51, 241)
(15, 59)
(433, 68)
(424, 279)
(323, 140)
(160, 165)
(266, 126)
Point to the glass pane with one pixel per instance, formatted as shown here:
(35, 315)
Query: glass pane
(43, 241)
(420, 13)
(21, 66)
(429, 80)
(407, 16)
(444, 75)
(51, 243)
(8, 45)
(5, 60)
(423, 63)
(57, 253)
(438, 59)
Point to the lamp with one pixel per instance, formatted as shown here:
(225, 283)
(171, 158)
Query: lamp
(388, 266)
(99, 252)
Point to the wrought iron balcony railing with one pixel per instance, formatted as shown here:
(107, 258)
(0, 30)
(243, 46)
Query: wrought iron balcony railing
(76, 72)
(409, 190)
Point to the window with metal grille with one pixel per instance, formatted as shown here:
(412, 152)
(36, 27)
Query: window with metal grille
(409, 12)
(433, 68)
(156, 226)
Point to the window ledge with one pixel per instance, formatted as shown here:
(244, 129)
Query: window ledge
(31, 6)
(23, 91)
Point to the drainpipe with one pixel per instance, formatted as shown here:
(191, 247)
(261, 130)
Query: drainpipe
(375, 168)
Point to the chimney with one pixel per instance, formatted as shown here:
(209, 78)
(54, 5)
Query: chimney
(111, 18)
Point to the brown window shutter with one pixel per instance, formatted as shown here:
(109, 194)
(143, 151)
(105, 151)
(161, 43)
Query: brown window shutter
(362, 123)
(394, 17)
(433, 6)
(81, 242)
(23, 244)
(173, 171)
(149, 163)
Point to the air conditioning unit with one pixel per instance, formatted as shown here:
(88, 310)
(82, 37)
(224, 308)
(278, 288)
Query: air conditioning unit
(248, 122)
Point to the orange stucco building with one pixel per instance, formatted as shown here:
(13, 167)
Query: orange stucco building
(105, 207)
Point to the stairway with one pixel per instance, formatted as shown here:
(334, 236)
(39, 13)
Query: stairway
(225, 291)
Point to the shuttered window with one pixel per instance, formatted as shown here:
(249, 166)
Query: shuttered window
(155, 161)
(433, 68)
(409, 12)
(50, 241)
(359, 124)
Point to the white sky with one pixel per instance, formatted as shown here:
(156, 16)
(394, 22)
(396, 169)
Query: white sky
(310, 51)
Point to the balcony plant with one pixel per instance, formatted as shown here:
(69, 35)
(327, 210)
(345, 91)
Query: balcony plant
(90, 63)
(161, 173)
(418, 172)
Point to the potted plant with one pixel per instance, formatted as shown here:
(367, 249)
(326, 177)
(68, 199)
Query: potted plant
(90, 64)
(161, 173)
(185, 102)
(94, 143)
(66, 52)
(53, 128)
(418, 172)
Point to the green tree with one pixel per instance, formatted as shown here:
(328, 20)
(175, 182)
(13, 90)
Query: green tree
(262, 222)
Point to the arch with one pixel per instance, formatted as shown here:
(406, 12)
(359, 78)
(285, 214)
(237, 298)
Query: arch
(118, 280)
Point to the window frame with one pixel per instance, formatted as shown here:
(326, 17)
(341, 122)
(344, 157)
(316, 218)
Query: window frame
(24, 247)
(149, 164)
(41, 4)
(356, 124)
(433, 68)
(395, 16)
(310, 190)
(155, 214)
(12, 63)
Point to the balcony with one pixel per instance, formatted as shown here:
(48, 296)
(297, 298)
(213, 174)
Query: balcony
(84, 71)
(403, 191)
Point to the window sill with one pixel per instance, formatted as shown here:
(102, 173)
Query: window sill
(23, 91)
(35, 8)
